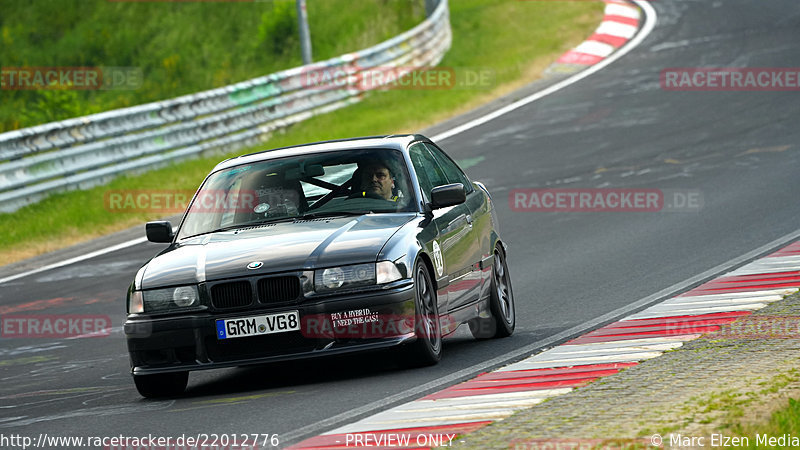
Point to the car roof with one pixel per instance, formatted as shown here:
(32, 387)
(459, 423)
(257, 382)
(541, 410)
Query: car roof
(391, 142)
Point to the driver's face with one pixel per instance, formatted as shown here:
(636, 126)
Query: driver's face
(377, 179)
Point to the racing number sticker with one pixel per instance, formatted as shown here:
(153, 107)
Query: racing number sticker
(437, 259)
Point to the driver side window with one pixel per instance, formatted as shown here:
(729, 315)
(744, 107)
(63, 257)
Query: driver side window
(428, 171)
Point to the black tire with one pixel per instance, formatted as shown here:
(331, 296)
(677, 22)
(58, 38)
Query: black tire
(501, 303)
(162, 384)
(427, 349)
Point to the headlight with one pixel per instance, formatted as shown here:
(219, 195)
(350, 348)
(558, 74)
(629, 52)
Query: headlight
(344, 277)
(159, 300)
(347, 277)
(185, 296)
(333, 278)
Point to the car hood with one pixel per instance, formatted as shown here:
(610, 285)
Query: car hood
(302, 244)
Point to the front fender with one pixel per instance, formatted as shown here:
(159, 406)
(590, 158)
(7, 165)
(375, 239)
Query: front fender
(405, 245)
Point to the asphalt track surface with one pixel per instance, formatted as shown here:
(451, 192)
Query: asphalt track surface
(614, 129)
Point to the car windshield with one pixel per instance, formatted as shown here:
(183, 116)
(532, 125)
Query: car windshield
(303, 186)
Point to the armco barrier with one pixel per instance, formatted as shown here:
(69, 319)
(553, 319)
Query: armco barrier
(86, 151)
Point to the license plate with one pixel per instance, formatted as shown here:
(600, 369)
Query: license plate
(258, 325)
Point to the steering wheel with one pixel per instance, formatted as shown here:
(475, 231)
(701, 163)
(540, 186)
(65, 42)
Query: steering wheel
(372, 194)
(367, 194)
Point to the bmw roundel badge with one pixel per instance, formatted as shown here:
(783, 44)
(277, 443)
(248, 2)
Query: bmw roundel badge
(255, 265)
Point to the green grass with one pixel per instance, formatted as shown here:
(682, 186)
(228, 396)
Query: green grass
(514, 40)
(180, 47)
(729, 413)
(783, 421)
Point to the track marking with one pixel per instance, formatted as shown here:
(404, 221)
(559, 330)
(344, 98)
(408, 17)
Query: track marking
(67, 262)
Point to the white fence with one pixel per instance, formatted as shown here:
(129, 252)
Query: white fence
(86, 151)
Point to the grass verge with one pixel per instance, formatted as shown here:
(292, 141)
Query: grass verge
(180, 47)
(782, 430)
(783, 422)
(514, 40)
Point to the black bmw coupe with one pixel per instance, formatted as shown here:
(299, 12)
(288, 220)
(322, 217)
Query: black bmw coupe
(319, 249)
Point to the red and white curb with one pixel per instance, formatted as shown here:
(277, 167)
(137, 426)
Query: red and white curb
(435, 420)
(620, 24)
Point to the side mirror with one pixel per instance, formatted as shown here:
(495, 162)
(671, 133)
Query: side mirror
(448, 195)
(160, 231)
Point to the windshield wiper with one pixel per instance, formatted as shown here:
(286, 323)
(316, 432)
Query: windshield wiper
(252, 223)
(307, 216)
(317, 215)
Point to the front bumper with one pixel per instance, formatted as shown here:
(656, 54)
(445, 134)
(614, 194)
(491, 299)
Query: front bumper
(334, 325)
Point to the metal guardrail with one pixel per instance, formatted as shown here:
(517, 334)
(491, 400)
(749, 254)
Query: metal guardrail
(86, 151)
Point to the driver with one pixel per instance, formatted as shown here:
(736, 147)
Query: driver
(377, 180)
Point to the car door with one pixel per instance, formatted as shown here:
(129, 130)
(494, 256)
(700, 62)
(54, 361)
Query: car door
(453, 229)
(479, 220)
